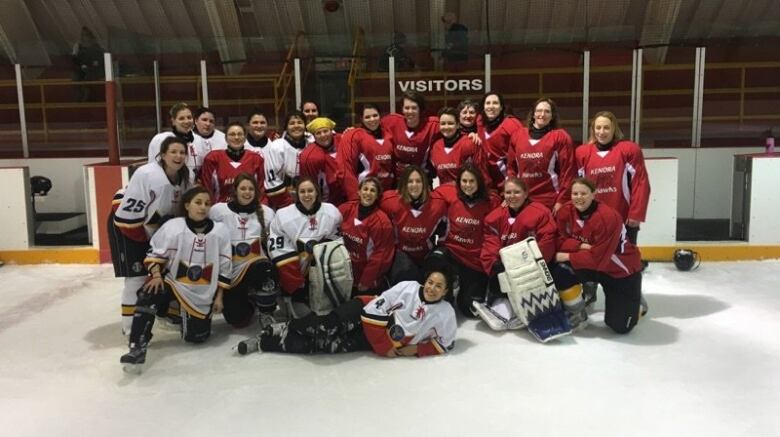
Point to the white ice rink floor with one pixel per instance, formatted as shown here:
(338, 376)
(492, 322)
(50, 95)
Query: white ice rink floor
(706, 362)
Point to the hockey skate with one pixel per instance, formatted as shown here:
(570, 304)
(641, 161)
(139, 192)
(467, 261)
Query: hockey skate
(643, 307)
(251, 344)
(578, 320)
(589, 290)
(133, 361)
(265, 320)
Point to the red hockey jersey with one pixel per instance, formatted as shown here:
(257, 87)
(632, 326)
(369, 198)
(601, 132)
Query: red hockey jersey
(322, 166)
(364, 155)
(465, 236)
(501, 230)
(496, 144)
(603, 230)
(411, 146)
(447, 161)
(370, 243)
(545, 165)
(219, 171)
(620, 177)
(414, 228)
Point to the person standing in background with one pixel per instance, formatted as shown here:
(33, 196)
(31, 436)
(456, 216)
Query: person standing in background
(87, 62)
(456, 40)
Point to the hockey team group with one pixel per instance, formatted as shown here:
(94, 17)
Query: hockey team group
(373, 238)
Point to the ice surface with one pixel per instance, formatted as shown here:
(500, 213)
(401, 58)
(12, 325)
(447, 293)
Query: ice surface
(705, 362)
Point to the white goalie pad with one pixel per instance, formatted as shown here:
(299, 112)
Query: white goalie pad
(529, 286)
(330, 276)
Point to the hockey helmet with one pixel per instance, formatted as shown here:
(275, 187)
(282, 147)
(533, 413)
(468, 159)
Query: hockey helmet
(40, 185)
(686, 259)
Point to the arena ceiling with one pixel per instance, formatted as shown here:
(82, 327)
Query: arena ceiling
(32, 31)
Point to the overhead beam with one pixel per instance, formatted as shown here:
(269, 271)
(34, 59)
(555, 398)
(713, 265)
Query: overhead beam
(660, 19)
(227, 34)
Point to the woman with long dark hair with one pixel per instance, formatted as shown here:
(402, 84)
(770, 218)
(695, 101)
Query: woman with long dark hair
(151, 197)
(496, 128)
(367, 151)
(368, 236)
(419, 219)
(468, 203)
(255, 281)
(294, 232)
(188, 262)
(409, 319)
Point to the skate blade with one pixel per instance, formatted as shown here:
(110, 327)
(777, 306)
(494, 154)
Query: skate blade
(132, 369)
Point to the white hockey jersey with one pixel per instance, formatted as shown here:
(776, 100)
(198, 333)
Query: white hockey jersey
(431, 326)
(202, 146)
(148, 198)
(195, 264)
(293, 233)
(245, 236)
(273, 154)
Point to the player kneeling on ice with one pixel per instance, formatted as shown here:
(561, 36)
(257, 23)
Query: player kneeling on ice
(255, 278)
(189, 261)
(519, 244)
(593, 242)
(408, 319)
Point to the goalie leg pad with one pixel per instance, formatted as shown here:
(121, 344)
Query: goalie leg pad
(330, 277)
(531, 290)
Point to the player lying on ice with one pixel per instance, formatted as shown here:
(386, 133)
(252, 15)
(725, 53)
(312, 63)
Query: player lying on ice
(407, 319)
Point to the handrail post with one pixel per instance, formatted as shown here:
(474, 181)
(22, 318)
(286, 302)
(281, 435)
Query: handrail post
(585, 93)
(111, 118)
(298, 98)
(22, 117)
(157, 98)
(204, 83)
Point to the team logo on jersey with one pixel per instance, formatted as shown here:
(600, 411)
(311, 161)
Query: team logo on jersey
(419, 313)
(313, 223)
(199, 245)
(244, 249)
(397, 333)
(194, 274)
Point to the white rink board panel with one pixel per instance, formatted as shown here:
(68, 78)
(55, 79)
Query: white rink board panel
(16, 222)
(764, 227)
(660, 227)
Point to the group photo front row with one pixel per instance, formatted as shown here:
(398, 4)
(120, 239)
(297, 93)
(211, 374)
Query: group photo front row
(382, 236)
